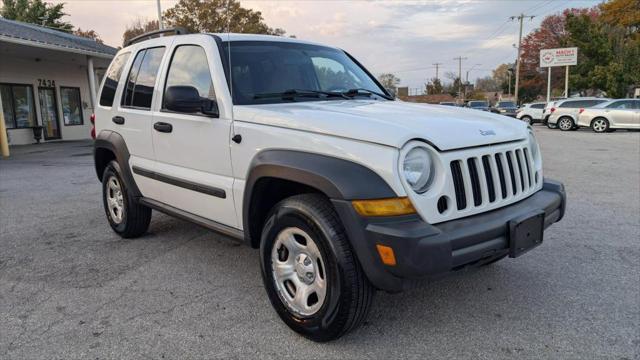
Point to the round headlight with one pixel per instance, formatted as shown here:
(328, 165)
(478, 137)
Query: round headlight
(417, 169)
(533, 145)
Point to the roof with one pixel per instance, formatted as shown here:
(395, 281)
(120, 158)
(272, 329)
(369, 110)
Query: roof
(261, 37)
(40, 36)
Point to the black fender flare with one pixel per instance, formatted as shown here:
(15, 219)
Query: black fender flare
(338, 179)
(114, 142)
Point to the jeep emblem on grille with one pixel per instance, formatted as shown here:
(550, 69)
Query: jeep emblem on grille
(487, 132)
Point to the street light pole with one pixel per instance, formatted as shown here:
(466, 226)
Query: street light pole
(160, 25)
(520, 18)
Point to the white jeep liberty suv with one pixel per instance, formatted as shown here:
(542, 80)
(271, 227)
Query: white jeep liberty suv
(296, 149)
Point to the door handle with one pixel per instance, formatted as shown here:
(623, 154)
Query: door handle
(118, 120)
(163, 127)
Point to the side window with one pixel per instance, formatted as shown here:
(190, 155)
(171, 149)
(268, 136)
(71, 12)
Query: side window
(625, 104)
(189, 67)
(111, 79)
(590, 103)
(538, 106)
(571, 104)
(142, 78)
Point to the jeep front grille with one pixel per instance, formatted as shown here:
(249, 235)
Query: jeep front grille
(492, 178)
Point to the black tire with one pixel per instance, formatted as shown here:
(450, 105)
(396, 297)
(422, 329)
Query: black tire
(550, 125)
(528, 119)
(348, 291)
(135, 217)
(600, 125)
(565, 123)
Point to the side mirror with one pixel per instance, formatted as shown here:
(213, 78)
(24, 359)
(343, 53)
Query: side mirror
(186, 99)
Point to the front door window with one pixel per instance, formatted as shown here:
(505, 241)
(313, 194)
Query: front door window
(49, 112)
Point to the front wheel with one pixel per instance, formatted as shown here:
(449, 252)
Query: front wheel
(550, 125)
(312, 277)
(528, 119)
(126, 217)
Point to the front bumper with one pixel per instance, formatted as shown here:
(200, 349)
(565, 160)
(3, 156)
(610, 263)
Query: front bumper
(424, 250)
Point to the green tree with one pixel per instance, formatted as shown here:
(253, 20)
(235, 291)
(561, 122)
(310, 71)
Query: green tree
(434, 87)
(218, 16)
(36, 12)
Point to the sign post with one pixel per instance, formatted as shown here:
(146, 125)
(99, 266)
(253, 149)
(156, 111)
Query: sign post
(558, 57)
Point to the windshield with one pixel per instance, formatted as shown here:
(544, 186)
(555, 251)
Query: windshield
(477, 104)
(506, 104)
(265, 72)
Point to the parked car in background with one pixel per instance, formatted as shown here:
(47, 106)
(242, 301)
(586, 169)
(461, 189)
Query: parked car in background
(564, 114)
(507, 108)
(478, 105)
(547, 110)
(531, 113)
(611, 115)
(448, 103)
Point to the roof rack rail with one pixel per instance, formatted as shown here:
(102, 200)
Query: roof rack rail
(175, 31)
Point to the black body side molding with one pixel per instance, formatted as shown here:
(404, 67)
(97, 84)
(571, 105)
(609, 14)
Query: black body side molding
(189, 185)
(114, 142)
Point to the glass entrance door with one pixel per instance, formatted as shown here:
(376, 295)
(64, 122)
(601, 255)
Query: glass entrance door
(49, 113)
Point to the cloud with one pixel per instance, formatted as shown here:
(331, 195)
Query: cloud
(404, 37)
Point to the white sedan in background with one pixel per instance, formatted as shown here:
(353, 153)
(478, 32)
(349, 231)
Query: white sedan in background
(611, 115)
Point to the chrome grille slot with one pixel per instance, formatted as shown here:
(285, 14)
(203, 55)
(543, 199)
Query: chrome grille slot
(490, 179)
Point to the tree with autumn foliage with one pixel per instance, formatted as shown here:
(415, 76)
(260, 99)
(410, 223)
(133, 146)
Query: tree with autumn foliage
(218, 16)
(608, 50)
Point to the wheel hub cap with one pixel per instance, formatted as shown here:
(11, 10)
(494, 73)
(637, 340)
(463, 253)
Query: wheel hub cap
(298, 272)
(115, 200)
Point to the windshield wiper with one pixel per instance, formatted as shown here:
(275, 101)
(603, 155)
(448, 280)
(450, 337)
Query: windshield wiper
(361, 91)
(293, 93)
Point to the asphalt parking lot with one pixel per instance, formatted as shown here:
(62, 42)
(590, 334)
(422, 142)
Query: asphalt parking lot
(71, 288)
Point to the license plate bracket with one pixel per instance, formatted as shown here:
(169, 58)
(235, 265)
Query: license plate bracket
(525, 233)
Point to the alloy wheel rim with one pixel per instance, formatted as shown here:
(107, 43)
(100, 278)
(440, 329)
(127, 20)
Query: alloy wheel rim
(298, 272)
(115, 202)
(565, 124)
(599, 125)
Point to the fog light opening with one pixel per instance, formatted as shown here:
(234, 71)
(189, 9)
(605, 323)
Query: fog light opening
(443, 204)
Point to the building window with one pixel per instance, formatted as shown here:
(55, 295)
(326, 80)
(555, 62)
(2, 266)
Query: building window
(18, 105)
(71, 106)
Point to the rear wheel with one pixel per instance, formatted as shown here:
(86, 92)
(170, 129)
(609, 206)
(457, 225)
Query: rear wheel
(565, 123)
(312, 277)
(600, 125)
(126, 217)
(550, 125)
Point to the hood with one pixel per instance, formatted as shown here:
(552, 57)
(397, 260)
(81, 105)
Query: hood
(390, 123)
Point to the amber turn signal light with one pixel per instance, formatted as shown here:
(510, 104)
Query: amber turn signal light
(386, 255)
(384, 207)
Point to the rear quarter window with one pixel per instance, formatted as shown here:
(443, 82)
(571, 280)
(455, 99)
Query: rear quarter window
(111, 79)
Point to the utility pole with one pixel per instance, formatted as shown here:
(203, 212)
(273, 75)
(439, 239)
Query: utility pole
(460, 58)
(520, 18)
(160, 25)
(437, 65)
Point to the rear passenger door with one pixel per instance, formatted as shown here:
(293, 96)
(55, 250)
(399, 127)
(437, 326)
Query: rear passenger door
(193, 165)
(133, 120)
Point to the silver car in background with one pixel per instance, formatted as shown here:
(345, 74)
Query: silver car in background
(564, 113)
(611, 115)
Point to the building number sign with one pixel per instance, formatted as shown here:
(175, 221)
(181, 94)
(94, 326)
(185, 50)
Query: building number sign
(46, 83)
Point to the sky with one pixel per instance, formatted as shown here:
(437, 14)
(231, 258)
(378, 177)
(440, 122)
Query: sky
(401, 37)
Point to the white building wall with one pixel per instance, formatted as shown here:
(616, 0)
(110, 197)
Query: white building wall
(66, 69)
